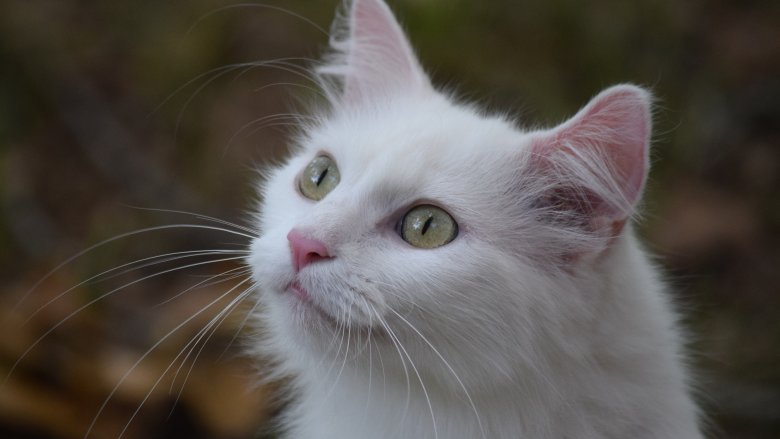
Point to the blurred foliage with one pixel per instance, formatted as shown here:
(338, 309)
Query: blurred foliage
(107, 105)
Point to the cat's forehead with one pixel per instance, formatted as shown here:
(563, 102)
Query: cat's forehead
(414, 138)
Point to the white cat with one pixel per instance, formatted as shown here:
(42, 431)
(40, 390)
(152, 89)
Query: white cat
(426, 270)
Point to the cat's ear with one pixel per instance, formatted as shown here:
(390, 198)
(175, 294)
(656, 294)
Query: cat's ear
(596, 163)
(372, 56)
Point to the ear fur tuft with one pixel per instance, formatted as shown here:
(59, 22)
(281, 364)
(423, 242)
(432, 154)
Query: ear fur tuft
(596, 163)
(371, 56)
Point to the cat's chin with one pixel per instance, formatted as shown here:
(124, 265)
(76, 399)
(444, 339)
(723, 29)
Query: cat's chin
(311, 320)
(303, 309)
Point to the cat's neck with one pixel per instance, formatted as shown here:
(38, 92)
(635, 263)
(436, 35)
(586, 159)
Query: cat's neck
(619, 377)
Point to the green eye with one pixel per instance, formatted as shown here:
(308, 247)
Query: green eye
(319, 178)
(428, 226)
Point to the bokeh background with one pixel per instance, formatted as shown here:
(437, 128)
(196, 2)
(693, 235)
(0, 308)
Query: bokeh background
(110, 106)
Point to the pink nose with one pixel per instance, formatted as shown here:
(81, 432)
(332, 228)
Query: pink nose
(305, 250)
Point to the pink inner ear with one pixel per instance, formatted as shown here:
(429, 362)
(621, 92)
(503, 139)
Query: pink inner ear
(603, 150)
(372, 19)
(619, 121)
(379, 59)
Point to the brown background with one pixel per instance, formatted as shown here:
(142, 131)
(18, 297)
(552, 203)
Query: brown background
(108, 105)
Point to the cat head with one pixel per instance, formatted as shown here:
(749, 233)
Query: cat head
(411, 219)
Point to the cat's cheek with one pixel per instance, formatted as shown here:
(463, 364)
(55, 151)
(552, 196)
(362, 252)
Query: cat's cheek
(274, 276)
(289, 338)
(270, 264)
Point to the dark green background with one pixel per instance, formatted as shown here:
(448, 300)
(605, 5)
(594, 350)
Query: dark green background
(97, 113)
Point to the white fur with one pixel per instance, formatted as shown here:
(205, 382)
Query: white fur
(542, 319)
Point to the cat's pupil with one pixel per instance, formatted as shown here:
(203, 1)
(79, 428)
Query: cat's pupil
(322, 176)
(427, 224)
(319, 177)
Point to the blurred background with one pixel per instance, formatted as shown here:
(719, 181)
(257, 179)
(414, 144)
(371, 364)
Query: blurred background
(110, 106)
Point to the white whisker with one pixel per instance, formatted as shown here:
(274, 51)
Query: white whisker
(449, 367)
(201, 216)
(343, 363)
(211, 327)
(240, 327)
(394, 341)
(219, 71)
(95, 300)
(146, 354)
(417, 373)
(261, 123)
(142, 263)
(116, 238)
(283, 64)
(225, 276)
(257, 5)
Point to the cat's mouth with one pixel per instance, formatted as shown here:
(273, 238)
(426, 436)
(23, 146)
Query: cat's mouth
(306, 305)
(299, 292)
(304, 299)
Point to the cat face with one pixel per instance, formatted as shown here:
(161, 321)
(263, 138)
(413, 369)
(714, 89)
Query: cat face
(523, 215)
(442, 156)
